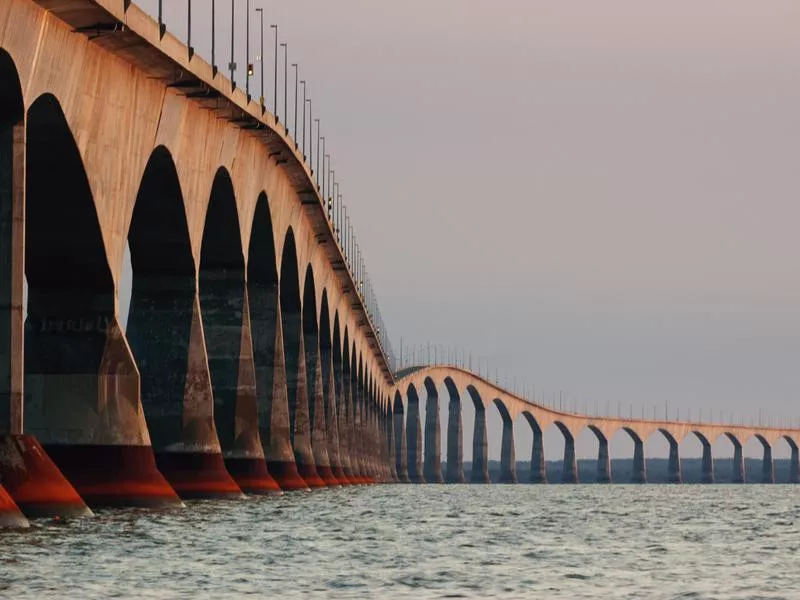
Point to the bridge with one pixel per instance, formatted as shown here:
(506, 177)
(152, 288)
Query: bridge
(255, 358)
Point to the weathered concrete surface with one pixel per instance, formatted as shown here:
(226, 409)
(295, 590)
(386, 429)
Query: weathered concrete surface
(480, 449)
(508, 459)
(401, 466)
(674, 468)
(603, 460)
(638, 468)
(455, 440)
(708, 462)
(414, 439)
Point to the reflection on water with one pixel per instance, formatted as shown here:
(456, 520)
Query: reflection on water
(555, 541)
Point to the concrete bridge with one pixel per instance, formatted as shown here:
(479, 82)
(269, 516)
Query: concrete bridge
(413, 466)
(254, 358)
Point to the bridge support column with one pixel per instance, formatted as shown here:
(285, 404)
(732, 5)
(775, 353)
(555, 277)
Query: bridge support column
(794, 467)
(708, 463)
(738, 472)
(165, 331)
(400, 444)
(570, 473)
(603, 461)
(674, 474)
(391, 455)
(317, 409)
(508, 459)
(480, 449)
(33, 483)
(455, 442)
(538, 468)
(433, 439)
(345, 411)
(332, 416)
(639, 472)
(414, 434)
(767, 466)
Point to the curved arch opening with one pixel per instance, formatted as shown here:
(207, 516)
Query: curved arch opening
(292, 326)
(162, 297)
(222, 292)
(71, 333)
(261, 303)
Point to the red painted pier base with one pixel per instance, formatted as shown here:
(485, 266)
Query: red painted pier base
(34, 482)
(252, 476)
(352, 477)
(10, 515)
(338, 472)
(327, 476)
(286, 475)
(106, 475)
(310, 476)
(198, 475)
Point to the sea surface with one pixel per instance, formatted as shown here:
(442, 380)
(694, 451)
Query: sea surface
(405, 541)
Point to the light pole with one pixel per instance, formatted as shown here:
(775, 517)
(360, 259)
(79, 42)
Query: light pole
(247, 52)
(310, 137)
(260, 12)
(189, 28)
(303, 83)
(232, 64)
(322, 172)
(275, 72)
(285, 86)
(318, 139)
(213, 37)
(295, 103)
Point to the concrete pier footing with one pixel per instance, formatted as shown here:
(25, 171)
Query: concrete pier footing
(33, 480)
(10, 515)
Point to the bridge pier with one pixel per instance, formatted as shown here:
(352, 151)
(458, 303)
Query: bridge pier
(570, 468)
(738, 469)
(767, 466)
(433, 438)
(331, 414)
(33, 484)
(400, 442)
(794, 466)
(674, 474)
(603, 461)
(414, 442)
(455, 440)
(707, 462)
(639, 472)
(343, 410)
(508, 460)
(538, 468)
(480, 449)
(316, 397)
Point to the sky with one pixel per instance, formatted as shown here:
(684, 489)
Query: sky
(598, 199)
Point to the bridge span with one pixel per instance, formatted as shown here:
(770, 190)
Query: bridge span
(254, 358)
(411, 465)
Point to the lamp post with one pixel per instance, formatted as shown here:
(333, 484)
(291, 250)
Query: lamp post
(275, 73)
(213, 38)
(295, 102)
(189, 28)
(318, 140)
(310, 137)
(303, 83)
(232, 64)
(285, 92)
(249, 72)
(260, 12)
(322, 172)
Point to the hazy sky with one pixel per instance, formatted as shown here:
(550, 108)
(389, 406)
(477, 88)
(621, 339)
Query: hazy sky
(596, 197)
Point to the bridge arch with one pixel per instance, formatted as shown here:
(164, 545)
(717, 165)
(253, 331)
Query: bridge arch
(508, 460)
(455, 434)
(433, 435)
(480, 442)
(12, 116)
(162, 305)
(221, 285)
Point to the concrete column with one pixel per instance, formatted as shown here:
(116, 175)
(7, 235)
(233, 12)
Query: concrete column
(269, 358)
(391, 442)
(316, 407)
(603, 461)
(767, 466)
(738, 473)
(570, 472)
(344, 410)
(708, 463)
(297, 386)
(414, 434)
(332, 416)
(33, 483)
(538, 468)
(455, 443)
(480, 449)
(401, 465)
(508, 459)
(794, 467)
(12, 276)
(639, 472)
(674, 470)
(433, 440)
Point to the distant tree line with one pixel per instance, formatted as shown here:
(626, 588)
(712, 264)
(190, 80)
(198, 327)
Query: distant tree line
(657, 470)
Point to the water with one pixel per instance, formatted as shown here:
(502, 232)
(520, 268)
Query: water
(556, 541)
